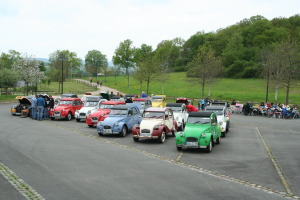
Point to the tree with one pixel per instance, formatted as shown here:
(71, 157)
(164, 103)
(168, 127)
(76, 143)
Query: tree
(8, 59)
(124, 57)
(29, 71)
(95, 62)
(8, 78)
(205, 67)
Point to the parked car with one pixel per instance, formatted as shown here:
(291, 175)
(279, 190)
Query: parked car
(66, 108)
(100, 114)
(91, 104)
(201, 131)
(145, 103)
(23, 108)
(69, 95)
(184, 100)
(159, 101)
(222, 116)
(120, 120)
(156, 124)
(180, 114)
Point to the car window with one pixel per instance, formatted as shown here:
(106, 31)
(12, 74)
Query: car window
(65, 102)
(153, 115)
(198, 120)
(90, 104)
(134, 111)
(118, 112)
(105, 106)
(176, 109)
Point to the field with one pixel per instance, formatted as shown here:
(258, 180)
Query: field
(178, 85)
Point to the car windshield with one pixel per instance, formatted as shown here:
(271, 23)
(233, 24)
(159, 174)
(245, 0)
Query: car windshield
(198, 120)
(105, 106)
(176, 109)
(65, 102)
(153, 114)
(157, 100)
(218, 112)
(91, 104)
(118, 112)
(139, 102)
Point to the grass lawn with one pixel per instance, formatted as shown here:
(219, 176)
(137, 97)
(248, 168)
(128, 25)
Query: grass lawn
(69, 87)
(178, 85)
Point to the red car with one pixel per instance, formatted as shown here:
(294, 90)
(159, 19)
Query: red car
(66, 108)
(100, 114)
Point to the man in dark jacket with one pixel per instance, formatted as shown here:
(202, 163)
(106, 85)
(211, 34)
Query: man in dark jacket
(40, 105)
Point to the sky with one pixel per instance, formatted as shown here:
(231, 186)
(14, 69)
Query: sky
(40, 27)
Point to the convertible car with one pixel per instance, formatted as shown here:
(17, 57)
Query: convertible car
(201, 131)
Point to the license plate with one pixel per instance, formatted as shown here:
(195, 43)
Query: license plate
(107, 131)
(95, 120)
(191, 144)
(56, 115)
(145, 134)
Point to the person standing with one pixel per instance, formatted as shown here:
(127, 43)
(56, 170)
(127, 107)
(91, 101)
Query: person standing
(91, 79)
(40, 106)
(33, 107)
(46, 108)
(100, 83)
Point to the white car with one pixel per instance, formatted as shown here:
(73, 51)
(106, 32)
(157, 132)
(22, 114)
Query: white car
(92, 104)
(223, 117)
(180, 114)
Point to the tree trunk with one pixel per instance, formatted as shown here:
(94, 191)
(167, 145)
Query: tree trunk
(276, 93)
(203, 85)
(148, 82)
(287, 92)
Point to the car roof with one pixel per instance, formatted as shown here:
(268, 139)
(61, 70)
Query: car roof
(139, 99)
(219, 103)
(215, 107)
(113, 102)
(69, 95)
(174, 104)
(157, 97)
(157, 109)
(69, 99)
(122, 107)
(200, 114)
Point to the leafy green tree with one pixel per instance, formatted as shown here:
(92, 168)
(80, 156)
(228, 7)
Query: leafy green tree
(95, 62)
(205, 67)
(124, 57)
(8, 78)
(8, 59)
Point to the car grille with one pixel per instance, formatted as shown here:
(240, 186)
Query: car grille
(145, 131)
(56, 112)
(191, 139)
(82, 114)
(107, 127)
(94, 118)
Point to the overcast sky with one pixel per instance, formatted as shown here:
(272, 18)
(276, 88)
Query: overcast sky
(40, 27)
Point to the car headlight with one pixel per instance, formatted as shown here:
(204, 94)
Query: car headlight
(63, 110)
(77, 111)
(137, 126)
(177, 118)
(181, 134)
(220, 123)
(88, 112)
(203, 135)
(155, 127)
(116, 124)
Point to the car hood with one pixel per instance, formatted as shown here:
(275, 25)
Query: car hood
(177, 114)
(25, 101)
(100, 112)
(58, 108)
(195, 130)
(86, 109)
(157, 104)
(221, 118)
(150, 123)
(110, 121)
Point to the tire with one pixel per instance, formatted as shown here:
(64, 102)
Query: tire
(100, 134)
(123, 133)
(162, 138)
(218, 141)
(227, 129)
(209, 147)
(69, 116)
(52, 118)
(77, 120)
(223, 134)
(136, 139)
(173, 133)
(179, 148)
(91, 126)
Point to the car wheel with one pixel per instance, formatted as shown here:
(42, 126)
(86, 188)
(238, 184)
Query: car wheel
(223, 134)
(173, 133)
(227, 129)
(179, 148)
(123, 133)
(77, 120)
(69, 117)
(52, 118)
(91, 126)
(162, 138)
(136, 139)
(100, 134)
(209, 147)
(218, 141)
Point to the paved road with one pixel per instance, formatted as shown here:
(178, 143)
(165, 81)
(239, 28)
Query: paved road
(68, 160)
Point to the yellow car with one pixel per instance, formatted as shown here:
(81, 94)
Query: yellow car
(23, 108)
(159, 101)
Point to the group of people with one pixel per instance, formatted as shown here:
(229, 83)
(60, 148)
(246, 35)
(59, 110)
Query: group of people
(202, 103)
(40, 106)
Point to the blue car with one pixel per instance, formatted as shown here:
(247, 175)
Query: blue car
(120, 120)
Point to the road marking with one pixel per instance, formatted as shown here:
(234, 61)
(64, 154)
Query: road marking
(198, 169)
(27, 191)
(179, 157)
(276, 165)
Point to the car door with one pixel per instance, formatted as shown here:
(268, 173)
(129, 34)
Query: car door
(169, 119)
(136, 116)
(214, 124)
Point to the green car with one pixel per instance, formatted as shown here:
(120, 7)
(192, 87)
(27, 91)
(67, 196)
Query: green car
(201, 131)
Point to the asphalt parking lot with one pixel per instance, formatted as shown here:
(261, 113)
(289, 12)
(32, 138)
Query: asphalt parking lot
(258, 159)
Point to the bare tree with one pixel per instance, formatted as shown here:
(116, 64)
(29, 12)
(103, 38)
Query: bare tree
(205, 67)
